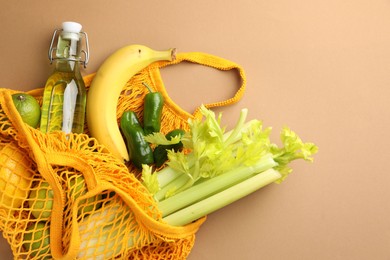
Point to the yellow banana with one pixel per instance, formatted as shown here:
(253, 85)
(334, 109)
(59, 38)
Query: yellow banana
(106, 87)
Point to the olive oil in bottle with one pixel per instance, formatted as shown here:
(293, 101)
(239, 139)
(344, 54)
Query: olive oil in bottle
(64, 97)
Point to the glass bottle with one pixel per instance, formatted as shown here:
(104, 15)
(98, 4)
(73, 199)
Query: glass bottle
(64, 97)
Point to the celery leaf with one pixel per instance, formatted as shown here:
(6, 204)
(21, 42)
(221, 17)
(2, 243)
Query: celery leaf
(159, 138)
(293, 148)
(149, 179)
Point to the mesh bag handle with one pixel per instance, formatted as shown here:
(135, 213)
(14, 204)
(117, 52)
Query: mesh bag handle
(204, 59)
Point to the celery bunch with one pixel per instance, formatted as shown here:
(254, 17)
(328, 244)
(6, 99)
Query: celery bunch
(220, 167)
(215, 169)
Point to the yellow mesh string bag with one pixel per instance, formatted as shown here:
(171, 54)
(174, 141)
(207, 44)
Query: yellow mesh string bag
(64, 197)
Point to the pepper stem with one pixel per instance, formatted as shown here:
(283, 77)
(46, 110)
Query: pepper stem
(147, 86)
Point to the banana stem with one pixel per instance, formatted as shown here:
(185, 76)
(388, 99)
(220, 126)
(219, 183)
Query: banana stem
(173, 54)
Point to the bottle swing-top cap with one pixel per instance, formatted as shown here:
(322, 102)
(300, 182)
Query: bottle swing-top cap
(70, 30)
(71, 27)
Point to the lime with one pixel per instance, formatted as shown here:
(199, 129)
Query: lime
(78, 188)
(36, 239)
(41, 201)
(28, 108)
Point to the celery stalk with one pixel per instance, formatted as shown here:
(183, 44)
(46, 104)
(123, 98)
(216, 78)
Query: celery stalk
(212, 186)
(166, 176)
(222, 199)
(171, 187)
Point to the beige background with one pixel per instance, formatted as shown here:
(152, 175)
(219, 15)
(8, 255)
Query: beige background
(320, 67)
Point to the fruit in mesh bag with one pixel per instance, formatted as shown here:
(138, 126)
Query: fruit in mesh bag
(41, 200)
(42, 196)
(15, 177)
(78, 188)
(36, 239)
(28, 108)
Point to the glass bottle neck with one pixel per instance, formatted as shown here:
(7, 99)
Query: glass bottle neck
(65, 65)
(68, 46)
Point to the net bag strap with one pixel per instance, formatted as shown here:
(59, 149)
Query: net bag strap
(204, 59)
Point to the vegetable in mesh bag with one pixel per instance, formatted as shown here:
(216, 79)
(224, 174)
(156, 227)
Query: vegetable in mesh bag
(214, 169)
